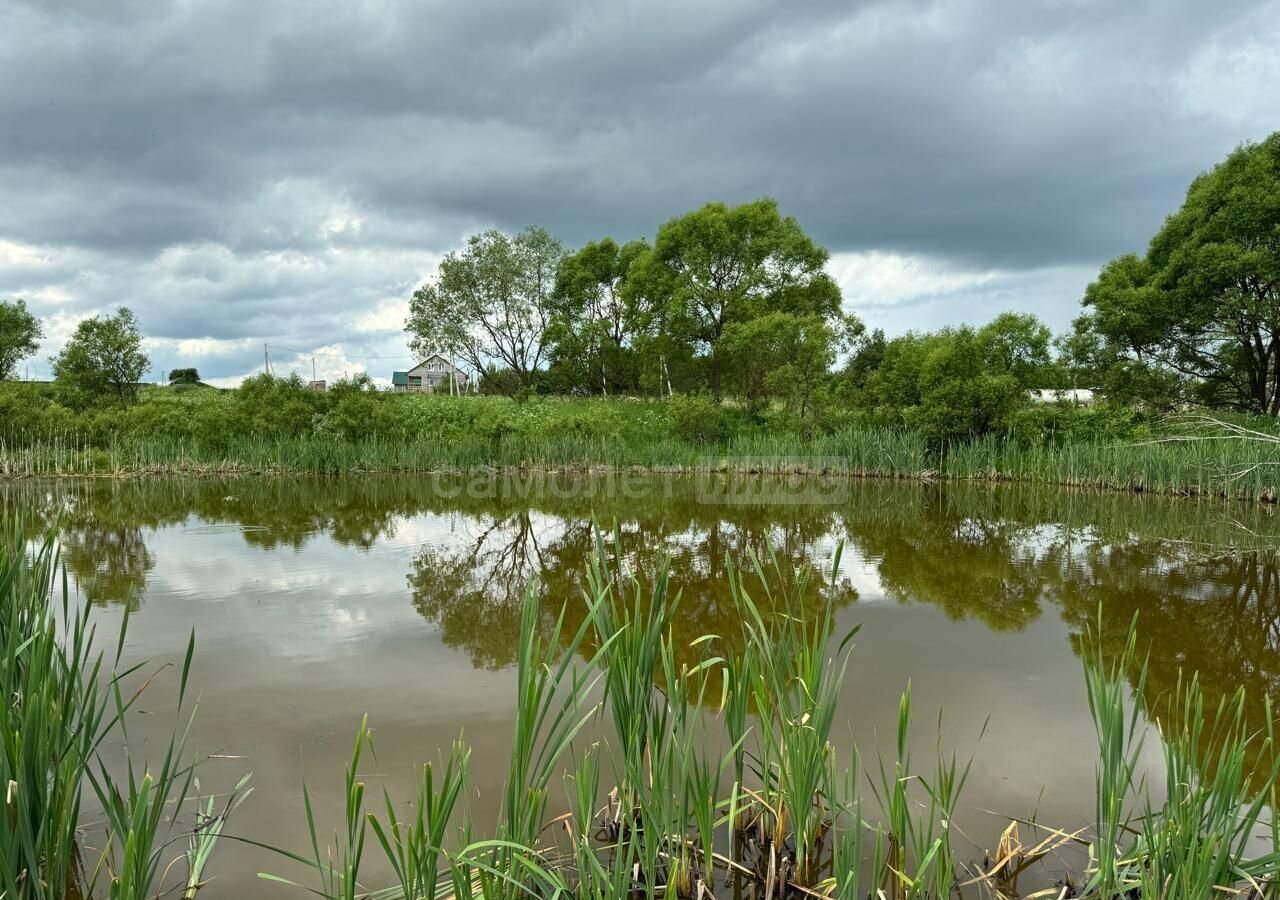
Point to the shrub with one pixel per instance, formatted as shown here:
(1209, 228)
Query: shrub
(697, 419)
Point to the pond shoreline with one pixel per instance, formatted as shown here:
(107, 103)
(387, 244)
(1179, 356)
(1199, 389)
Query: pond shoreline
(1267, 496)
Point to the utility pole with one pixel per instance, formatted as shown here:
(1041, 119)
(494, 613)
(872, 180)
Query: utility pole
(266, 360)
(313, 368)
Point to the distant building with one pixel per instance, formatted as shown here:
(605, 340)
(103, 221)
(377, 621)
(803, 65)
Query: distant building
(1081, 396)
(316, 385)
(435, 373)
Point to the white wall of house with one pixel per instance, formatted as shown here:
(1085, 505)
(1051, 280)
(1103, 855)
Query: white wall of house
(433, 374)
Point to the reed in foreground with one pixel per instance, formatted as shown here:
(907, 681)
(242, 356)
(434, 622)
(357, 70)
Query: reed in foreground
(677, 797)
(62, 702)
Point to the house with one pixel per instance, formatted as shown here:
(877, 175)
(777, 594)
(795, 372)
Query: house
(1078, 396)
(435, 373)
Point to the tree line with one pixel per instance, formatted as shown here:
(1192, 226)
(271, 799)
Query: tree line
(736, 302)
(732, 300)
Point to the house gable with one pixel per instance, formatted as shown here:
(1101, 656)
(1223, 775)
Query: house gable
(438, 366)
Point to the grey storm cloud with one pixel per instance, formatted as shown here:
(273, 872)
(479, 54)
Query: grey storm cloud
(244, 170)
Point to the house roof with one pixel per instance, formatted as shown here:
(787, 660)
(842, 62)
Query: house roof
(399, 377)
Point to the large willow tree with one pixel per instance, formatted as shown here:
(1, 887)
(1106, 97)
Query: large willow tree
(1204, 303)
(721, 266)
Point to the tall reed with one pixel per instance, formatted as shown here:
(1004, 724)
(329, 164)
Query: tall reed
(796, 686)
(62, 704)
(55, 716)
(1118, 722)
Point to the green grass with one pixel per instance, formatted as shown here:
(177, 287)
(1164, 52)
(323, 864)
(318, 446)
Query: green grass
(276, 430)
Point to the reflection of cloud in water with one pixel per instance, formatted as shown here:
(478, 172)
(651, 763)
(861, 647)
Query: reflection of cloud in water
(314, 570)
(317, 601)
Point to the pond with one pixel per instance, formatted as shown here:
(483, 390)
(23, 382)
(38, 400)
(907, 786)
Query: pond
(316, 602)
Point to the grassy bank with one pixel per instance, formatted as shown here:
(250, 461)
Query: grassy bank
(277, 427)
(674, 800)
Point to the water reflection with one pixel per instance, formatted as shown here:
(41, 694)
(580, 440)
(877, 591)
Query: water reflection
(316, 602)
(1201, 577)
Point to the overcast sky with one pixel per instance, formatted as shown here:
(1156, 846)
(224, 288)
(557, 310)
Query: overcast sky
(287, 172)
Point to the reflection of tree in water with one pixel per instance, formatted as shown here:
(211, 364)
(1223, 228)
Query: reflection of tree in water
(1219, 616)
(474, 590)
(101, 536)
(970, 561)
(109, 564)
(994, 555)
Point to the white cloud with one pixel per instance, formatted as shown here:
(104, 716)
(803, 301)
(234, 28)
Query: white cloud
(389, 315)
(900, 292)
(14, 255)
(881, 278)
(1236, 77)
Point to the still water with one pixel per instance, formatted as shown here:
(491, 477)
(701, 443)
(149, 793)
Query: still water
(316, 602)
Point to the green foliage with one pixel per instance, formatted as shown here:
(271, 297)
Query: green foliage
(103, 359)
(957, 383)
(698, 420)
(493, 301)
(20, 335)
(496, 382)
(1203, 305)
(184, 376)
(785, 357)
(721, 265)
(1019, 345)
(596, 319)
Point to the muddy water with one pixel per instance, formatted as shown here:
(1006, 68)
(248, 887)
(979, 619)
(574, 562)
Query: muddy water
(315, 603)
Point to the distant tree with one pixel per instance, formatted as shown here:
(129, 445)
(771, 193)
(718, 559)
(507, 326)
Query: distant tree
(496, 382)
(785, 357)
(20, 335)
(491, 303)
(1020, 345)
(595, 318)
(722, 265)
(103, 358)
(867, 356)
(184, 376)
(944, 384)
(1204, 303)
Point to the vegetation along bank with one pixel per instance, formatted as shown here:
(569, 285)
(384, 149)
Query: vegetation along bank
(724, 343)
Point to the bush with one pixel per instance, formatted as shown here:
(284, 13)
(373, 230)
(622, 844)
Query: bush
(698, 420)
(1058, 424)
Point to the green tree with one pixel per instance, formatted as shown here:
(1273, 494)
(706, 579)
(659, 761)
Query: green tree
(20, 335)
(722, 265)
(943, 383)
(1020, 345)
(867, 357)
(184, 376)
(595, 318)
(1204, 303)
(786, 357)
(103, 358)
(491, 303)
